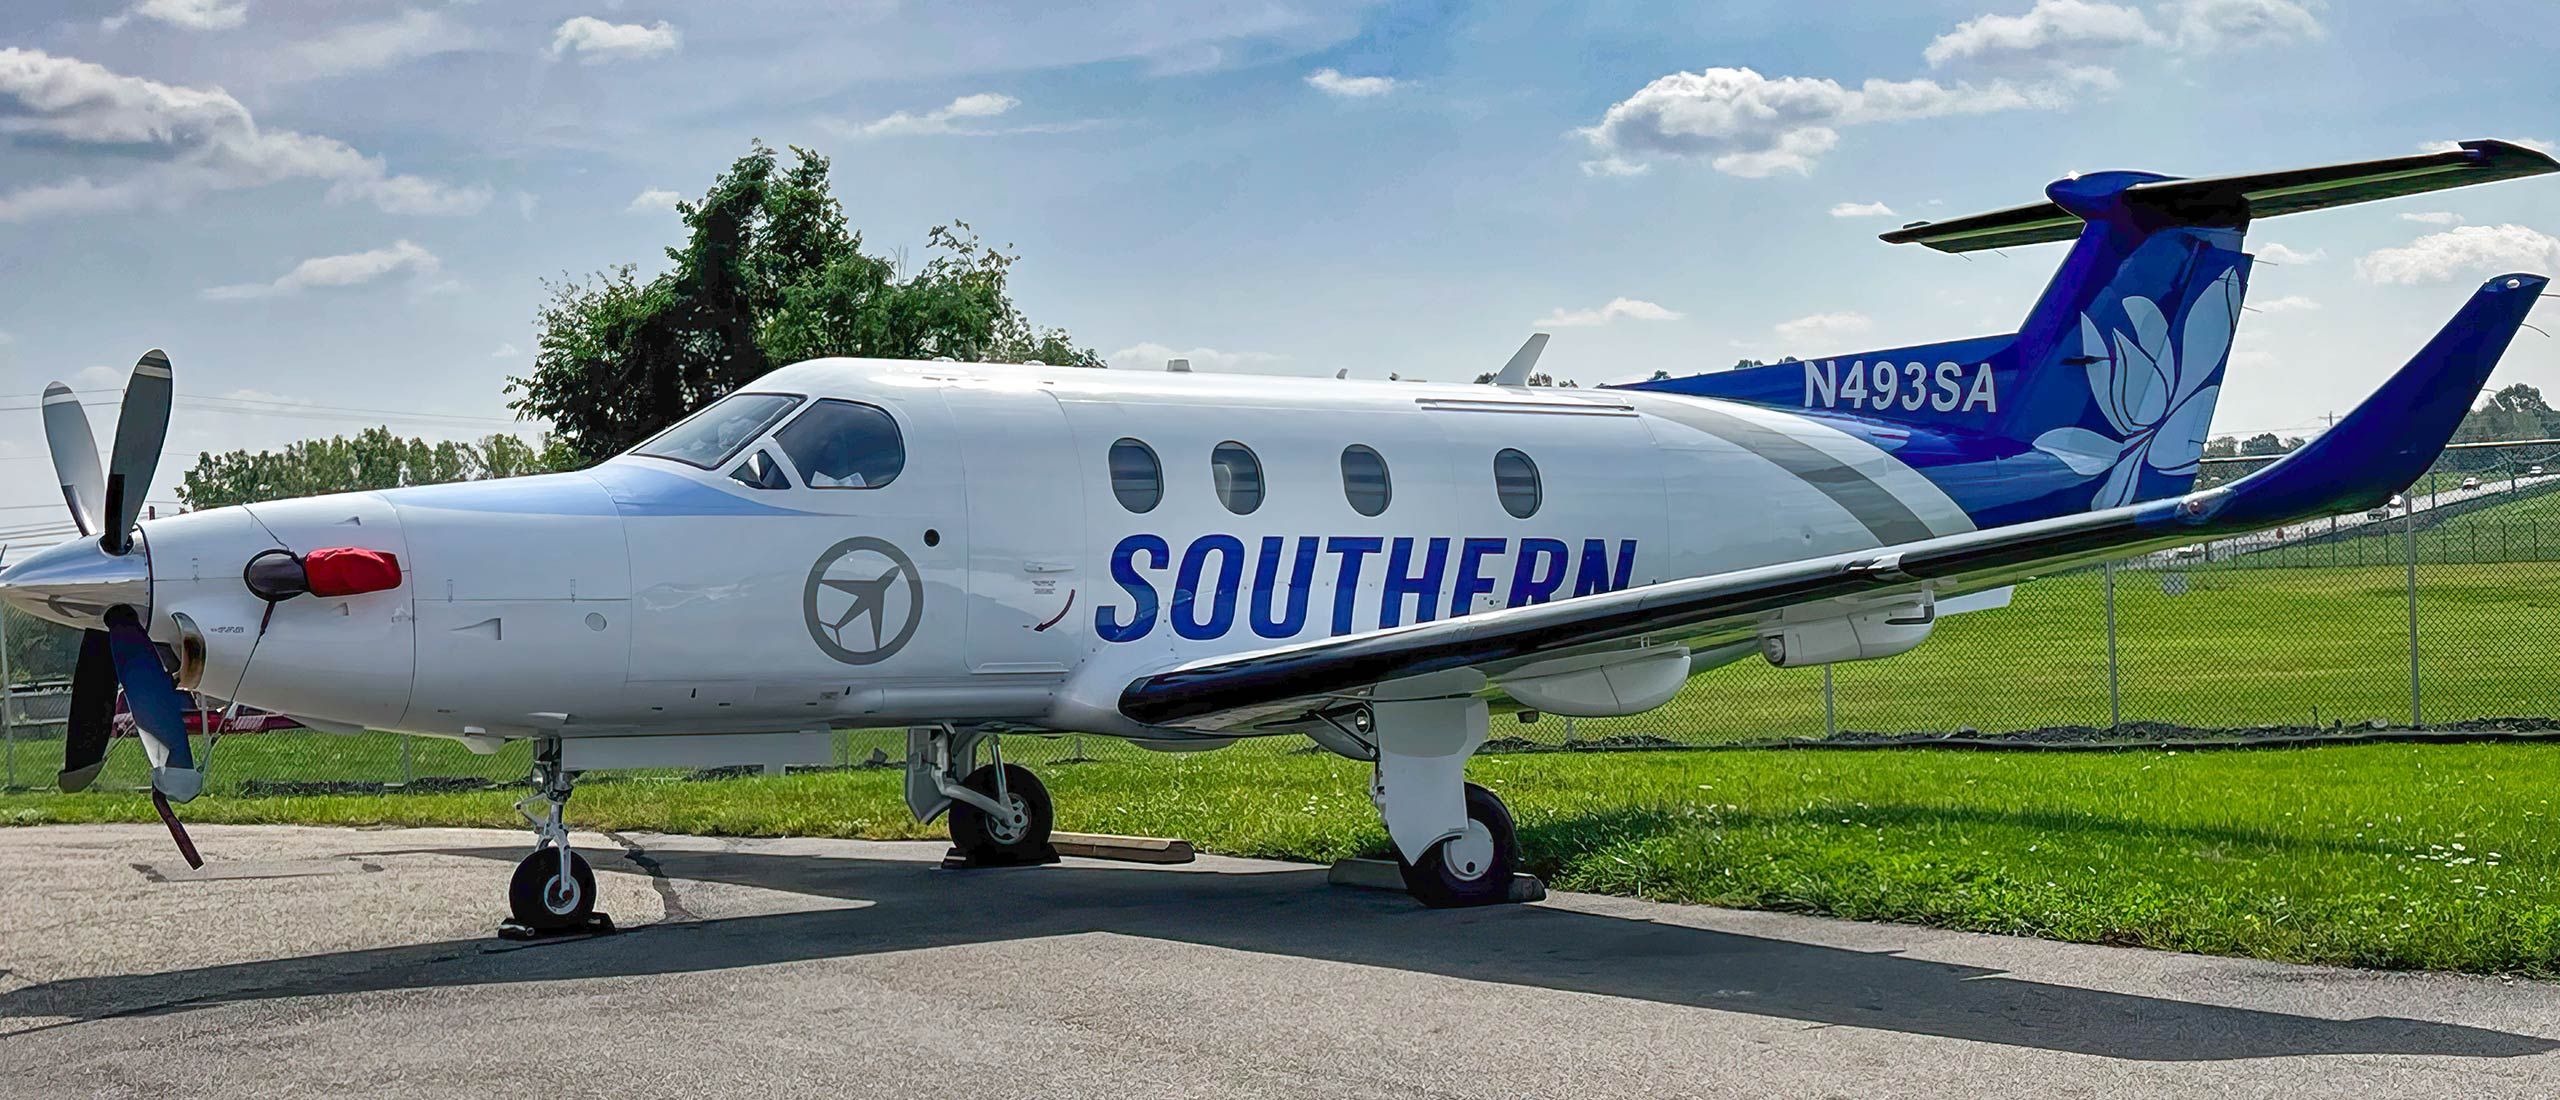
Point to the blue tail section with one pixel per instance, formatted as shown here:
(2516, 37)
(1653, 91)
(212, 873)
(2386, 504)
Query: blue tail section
(2102, 397)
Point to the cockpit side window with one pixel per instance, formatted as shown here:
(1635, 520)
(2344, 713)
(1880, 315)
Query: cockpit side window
(844, 445)
(712, 436)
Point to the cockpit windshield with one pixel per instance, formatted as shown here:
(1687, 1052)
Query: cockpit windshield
(708, 438)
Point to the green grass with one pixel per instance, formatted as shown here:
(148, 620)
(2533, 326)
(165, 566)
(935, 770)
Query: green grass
(2434, 856)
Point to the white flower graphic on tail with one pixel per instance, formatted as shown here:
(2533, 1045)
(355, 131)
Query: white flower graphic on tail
(2153, 396)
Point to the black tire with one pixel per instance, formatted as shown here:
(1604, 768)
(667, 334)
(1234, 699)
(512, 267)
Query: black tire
(1437, 883)
(537, 899)
(982, 836)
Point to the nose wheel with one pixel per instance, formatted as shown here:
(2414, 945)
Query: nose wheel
(1020, 834)
(553, 891)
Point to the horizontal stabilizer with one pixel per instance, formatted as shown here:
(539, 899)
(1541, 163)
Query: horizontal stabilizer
(2267, 193)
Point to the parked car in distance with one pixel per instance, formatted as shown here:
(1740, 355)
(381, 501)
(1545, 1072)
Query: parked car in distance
(2470, 483)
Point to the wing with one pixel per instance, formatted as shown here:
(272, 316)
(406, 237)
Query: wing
(2379, 449)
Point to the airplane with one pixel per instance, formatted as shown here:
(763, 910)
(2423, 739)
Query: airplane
(1184, 559)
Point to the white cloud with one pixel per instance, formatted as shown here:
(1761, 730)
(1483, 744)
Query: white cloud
(596, 41)
(2290, 303)
(1861, 210)
(1618, 309)
(2050, 31)
(2274, 253)
(941, 119)
(2233, 24)
(1822, 326)
(1614, 166)
(505, 351)
(2433, 217)
(194, 15)
(2482, 249)
(352, 269)
(1152, 356)
(1746, 124)
(6, 339)
(375, 44)
(170, 143)
(653, 200)
(1331, 82)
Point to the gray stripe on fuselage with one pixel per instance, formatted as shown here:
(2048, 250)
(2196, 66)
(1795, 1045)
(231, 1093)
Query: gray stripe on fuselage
(1883, 514)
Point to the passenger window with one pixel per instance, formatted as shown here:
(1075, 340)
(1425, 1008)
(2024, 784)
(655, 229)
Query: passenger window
(760, 471)
(1364, 480)
(1238, 476)
(1136, 477)
(1515, 480)
(842, 445)
(709, 437)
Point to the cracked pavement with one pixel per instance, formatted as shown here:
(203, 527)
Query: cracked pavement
(327, 962)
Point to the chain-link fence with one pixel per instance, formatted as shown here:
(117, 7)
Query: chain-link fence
(2442, 611)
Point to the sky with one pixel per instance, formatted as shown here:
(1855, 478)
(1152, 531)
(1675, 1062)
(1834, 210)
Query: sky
(341, 213)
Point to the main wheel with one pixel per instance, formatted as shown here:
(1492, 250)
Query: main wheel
(1022, 836)
(1472, 868)
(539, 898)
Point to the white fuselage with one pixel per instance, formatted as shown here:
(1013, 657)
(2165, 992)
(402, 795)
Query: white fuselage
(1006, 580)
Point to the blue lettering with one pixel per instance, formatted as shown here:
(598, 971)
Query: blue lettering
(1266, 576)
(1222, 595)
(1142, 595)
(1531, 584)
(1346, 584)
(1471, 579)
(1595, 575)
(1402, 582)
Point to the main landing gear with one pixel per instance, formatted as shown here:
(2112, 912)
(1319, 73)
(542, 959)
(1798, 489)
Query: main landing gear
(1000, 813)
(553, 890)
(1454, 840)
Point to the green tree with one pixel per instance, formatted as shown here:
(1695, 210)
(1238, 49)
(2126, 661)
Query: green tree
(370, 459)
(770, 273)
(39, 650)
(1536, 378)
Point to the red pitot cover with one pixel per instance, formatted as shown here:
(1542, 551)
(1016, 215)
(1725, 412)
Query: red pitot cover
(350, 570)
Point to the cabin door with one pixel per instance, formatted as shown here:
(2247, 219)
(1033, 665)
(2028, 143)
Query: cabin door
(1026, 530)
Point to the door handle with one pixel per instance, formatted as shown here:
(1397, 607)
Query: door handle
(1046, 567)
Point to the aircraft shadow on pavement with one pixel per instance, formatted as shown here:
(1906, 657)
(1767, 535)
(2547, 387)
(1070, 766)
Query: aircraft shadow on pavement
(1294, 913)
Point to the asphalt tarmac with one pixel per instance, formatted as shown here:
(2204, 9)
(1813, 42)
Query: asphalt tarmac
(341, 962)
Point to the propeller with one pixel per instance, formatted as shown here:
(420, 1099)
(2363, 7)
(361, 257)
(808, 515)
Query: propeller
(121, 654)
(75, 457)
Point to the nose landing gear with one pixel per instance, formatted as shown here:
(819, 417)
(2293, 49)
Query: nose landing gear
(553, 890)
(1000, 813)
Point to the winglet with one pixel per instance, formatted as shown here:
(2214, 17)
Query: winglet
(2388, 442)
(1516, 372)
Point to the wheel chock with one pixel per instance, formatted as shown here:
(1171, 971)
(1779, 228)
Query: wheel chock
(1126, 849)
(1382, 874)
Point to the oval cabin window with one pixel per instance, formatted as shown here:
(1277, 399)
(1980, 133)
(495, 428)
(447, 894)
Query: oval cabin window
(1515, 480)
(1364, 480)
(1136, 477)
(1238, 476)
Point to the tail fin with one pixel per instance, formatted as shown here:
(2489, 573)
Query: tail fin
(2104, 395)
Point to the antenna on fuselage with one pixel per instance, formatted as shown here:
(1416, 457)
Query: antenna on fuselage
(1516, 372)
(1178, 366)
(1339, 375)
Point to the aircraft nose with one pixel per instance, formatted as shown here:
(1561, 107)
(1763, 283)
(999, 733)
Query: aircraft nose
(75, 582)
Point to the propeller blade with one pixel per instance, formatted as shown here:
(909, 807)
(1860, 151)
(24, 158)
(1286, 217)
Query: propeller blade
(93, 711)
(159, 711)
(75, 458)
(141, 427)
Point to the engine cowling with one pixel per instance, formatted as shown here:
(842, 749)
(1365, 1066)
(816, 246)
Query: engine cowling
(1883, 631)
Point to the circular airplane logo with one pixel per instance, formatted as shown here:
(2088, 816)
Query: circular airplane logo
(863, 601)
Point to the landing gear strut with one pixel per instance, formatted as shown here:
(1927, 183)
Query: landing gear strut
(1000, 813)
(553, 889)
(1453, 839)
